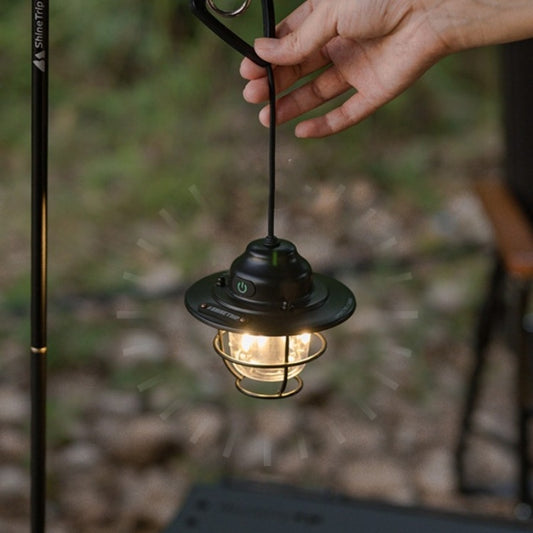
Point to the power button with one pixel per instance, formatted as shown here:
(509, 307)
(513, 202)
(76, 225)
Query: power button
(243, 287)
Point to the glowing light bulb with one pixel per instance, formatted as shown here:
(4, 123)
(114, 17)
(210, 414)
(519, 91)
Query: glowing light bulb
(265, 351)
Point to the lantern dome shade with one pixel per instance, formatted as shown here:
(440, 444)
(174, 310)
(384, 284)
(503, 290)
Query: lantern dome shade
(270, 290)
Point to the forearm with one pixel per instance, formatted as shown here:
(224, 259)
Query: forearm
(462, 24)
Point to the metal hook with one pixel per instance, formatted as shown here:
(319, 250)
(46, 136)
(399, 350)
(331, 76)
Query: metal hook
(229, 13)
(203, 9)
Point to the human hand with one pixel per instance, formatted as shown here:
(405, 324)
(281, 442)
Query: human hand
(378, 47)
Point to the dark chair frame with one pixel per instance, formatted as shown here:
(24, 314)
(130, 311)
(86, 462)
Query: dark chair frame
(509, 207)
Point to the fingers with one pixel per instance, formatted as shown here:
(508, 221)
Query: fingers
(323, 88)
(354, 110)
(294, 19)
(250, 70)
(308, 31)
(256, 90)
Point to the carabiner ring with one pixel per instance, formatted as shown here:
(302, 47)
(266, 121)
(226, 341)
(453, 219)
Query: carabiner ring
(235, 13)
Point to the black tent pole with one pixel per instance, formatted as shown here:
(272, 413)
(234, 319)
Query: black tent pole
(39, 181)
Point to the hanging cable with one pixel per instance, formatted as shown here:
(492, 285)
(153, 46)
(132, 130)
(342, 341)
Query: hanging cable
(269, 30)
(271, 154)
(200, 9)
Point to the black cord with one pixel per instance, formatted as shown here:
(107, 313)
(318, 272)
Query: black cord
(39, 187)
(271, 155)
(199, 8)
(269, 30)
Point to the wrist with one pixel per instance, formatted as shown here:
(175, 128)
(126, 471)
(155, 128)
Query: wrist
(463, 24)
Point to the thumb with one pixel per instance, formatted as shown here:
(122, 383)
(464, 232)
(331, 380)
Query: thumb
(310, 36)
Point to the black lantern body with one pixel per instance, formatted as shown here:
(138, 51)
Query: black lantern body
(268, 309)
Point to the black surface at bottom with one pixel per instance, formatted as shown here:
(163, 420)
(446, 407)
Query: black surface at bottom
(243, 507)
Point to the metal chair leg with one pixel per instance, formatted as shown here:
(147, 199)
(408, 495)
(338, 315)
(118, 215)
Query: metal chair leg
(489, 310)
(520, 344)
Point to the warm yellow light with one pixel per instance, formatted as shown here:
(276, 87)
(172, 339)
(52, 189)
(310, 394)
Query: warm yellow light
(305, 338)
(264, 351)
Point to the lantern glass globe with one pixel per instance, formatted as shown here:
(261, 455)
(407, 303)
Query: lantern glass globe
(268, 355)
